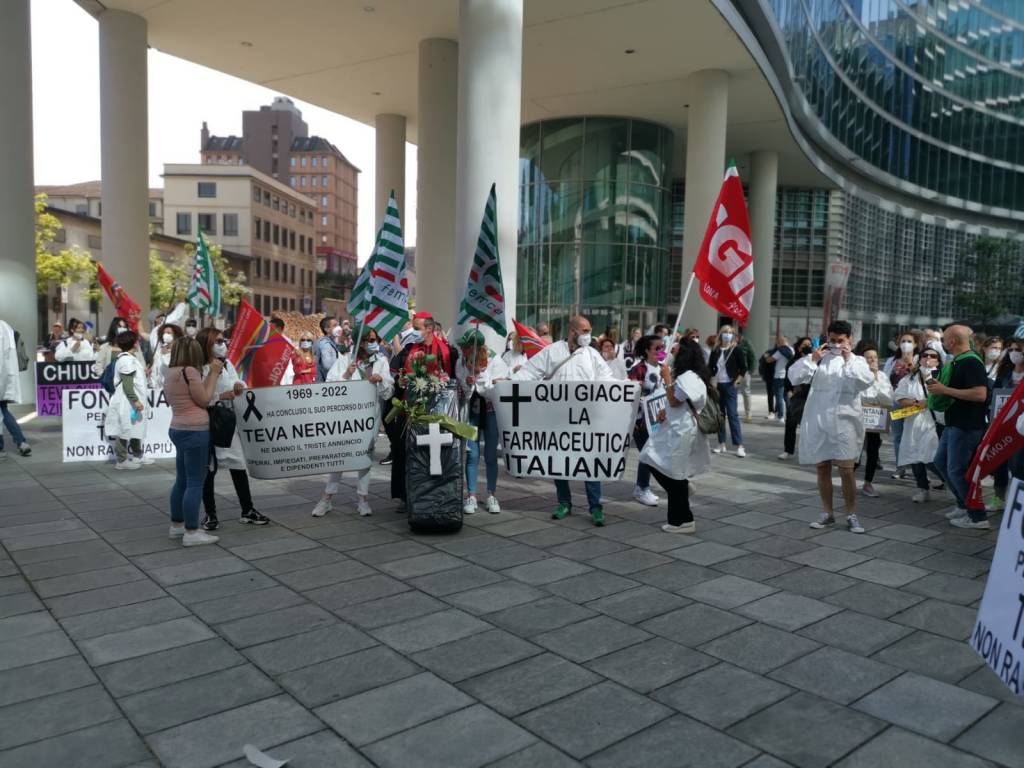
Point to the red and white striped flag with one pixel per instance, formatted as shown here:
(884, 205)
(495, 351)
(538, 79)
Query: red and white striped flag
(532, 343)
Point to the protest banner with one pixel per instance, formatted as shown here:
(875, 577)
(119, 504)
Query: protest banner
(905, 413)
(82, 428)
(652, 405)
(53, 378)
(875, 417)
(998, 635)
(999, 398)
(572, 430)
(307, 429)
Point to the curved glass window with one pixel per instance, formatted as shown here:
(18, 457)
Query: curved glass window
(593, 220)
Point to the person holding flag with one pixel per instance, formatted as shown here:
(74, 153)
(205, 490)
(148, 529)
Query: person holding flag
(204, 290)
(123, 304)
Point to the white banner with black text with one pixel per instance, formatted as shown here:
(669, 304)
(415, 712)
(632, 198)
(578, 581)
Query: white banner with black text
(84, 411)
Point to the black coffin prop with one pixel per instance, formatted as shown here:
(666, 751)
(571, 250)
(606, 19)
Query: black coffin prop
(435, 501)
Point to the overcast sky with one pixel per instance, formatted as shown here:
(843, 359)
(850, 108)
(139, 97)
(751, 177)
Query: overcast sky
(65, 83)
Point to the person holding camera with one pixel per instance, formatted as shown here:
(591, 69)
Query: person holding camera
(832, 428)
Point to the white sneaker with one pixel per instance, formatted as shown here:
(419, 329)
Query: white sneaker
(825, 520)
(869, 490)
(128, 464)
(198, 538)
(684, 528)
(921, 496)
(322, 507)
(363, 508)
(967, 522)
(956, 512)
(741, 452)
(146, 461)
(853, 524)
(469, 506)
(493, 507)
(175, 531)
(785, 456)
(721, 448)
(645, 496)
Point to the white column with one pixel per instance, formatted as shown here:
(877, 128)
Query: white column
(124, 147)
(390, 166)
(764, 179)
(705, 168)
(437, 132)
(18, 298)
(490, 76)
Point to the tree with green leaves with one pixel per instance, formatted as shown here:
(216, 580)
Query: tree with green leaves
(60, 268)
(169, 278)
(990, 277)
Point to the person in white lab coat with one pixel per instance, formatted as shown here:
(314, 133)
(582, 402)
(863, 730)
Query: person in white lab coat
(128, 409)
(571, 360)
(10, 390)
(476, 380)
(678, 450)
(920, 438)
(514, 356)
(832, 428)
(167, 335)
(879, 393)
(76, 347)
(368, 365)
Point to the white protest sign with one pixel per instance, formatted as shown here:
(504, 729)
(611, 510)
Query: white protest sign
(307, 429)
(571, 430)
(998, 635)
(875, 417)
(82, 426)
(653, 404)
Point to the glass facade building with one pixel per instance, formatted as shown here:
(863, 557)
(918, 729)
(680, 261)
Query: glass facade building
(594, 208)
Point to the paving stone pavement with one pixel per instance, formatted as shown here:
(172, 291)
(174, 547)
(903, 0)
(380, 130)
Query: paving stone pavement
(519, 641)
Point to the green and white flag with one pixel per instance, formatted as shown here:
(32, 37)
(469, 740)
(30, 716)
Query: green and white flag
(387, 298)
(359, 299)
(484, 300)
(204, 290)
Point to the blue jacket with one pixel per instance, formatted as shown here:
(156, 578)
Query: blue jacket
(326, 353)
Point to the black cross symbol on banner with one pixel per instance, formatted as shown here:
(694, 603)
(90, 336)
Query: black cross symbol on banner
(250, 398)
(515, 398)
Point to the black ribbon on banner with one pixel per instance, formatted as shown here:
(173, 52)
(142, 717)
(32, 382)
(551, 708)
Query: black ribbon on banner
(250, 398)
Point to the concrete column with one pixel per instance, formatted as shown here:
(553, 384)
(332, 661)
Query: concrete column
(490, 76)
(124, 148)
(437, 138)
(17, 219)
(705, 168)
(764, 179)
(390, 166)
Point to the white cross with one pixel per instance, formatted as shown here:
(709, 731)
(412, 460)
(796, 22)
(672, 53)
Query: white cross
(434, 439)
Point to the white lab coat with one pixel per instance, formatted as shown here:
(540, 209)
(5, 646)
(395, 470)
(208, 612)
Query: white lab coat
(10, 380)
(495, 370)
(678, 448)
(920, 438)
(85, 353)
(513, 359)
(380, 366)
(879, 391)
(176, 317)
(231, 457)
(119, 411)
(585, 364)
(832, 428)
(161, 364)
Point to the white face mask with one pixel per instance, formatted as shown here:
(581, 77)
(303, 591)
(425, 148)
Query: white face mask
(1016, 356)
(168, 338)
(191, 331)
(337, 332)
(726, 338)
(992, 354)
(79, 335)
(220, 350)
(583, 339)
(305, 344)
(122, 328)
(906, 347)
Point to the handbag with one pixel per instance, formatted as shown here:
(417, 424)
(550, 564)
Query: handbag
(222, 425)
(710, 419)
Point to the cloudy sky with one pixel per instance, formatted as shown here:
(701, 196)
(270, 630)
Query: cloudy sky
(65, 82)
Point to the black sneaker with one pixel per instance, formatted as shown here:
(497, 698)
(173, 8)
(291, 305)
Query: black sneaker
(210, 523)
(386, 460)
(252, 517)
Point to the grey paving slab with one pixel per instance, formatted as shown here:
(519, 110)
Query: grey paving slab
(590, 586)
(828, 558)
(594, 718)
(931, 655)
(384, 553)
(539, 616)
(111, 743)
(942, 618)
(834, 674)
(787, 611)
(591, 638)
(997, 736)
(87, 625)
(874, 599)
(296, 561)
(223, 586)
(325, 575)
(324, 748)
(455, 580)
(897, 748)
(163, 668)
(348, 593)
(34, 648)
(640, 604)
(675, 577)
(528, 684)
(588, 548)
(507, 557)
(475, 654)
(107, 597)
(539, 755)
(886, 572)
(26, 624)
(144, 640)
(650, 664)
(259, 601)
(629, 561)
(201, 571)
(839, 538)
(722, 695)
(48, 716)
(494, 597)
(219, 738)
(695, 624)
(346, 675)
(776, 546)
(265, 627)
(69, 565)
(22, 602)
(782, 729)
(678, 742)
(43, 679)
(952, 589)
(811, 582)
(856, 632)
(756, 566)
(956, 564)
(421, 565)
(391, 610)
(297, 651)
(898, 551)
(546, 571)
(926, 706)
(278, 546)
(470, 737)
(708, 553)
(428, 631)
(759, 648)
(986, 682)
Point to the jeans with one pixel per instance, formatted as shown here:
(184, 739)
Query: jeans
(678, 498)
(489, 426)
(565, 495)
(190, 465)
(12, 426)
(897, 438)
(956, 449)
(727, 398)
(781, 398)
(643, 472)
(920, 470)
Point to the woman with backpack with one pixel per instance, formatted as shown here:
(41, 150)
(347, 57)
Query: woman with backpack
(679, 449)
(109, 350)
(127, 411)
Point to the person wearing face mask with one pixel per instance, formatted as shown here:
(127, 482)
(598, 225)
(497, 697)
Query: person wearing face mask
(514, 357)
(159, 318)
(797, 398)
(992, 350)
(162, 354)
(920, 439)
(651, 375)
(902, 362)
(614, 362)
(77, 347)
(832, 427)
(109, 350)
(325, 350)
(879, 393)
(573, 359)
(227, 388)
(303, 361)
(367, 365)
(728, 366)
(191, 328)
(127, 412)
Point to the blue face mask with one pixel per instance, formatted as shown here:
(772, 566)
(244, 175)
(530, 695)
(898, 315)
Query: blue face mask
(373, 347)
(413, 338)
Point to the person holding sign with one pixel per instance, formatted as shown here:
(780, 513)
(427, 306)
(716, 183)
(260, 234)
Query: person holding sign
(832, 428)
(476, 380)
(365, 364)
(650, 373)
(126, 412)
(571, 360)
(679, 450)
(920, 438)
(878, 394)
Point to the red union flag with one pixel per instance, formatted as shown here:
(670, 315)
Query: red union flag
(123, 304)
(259, 353)
(725, 262)
(1001, 441)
